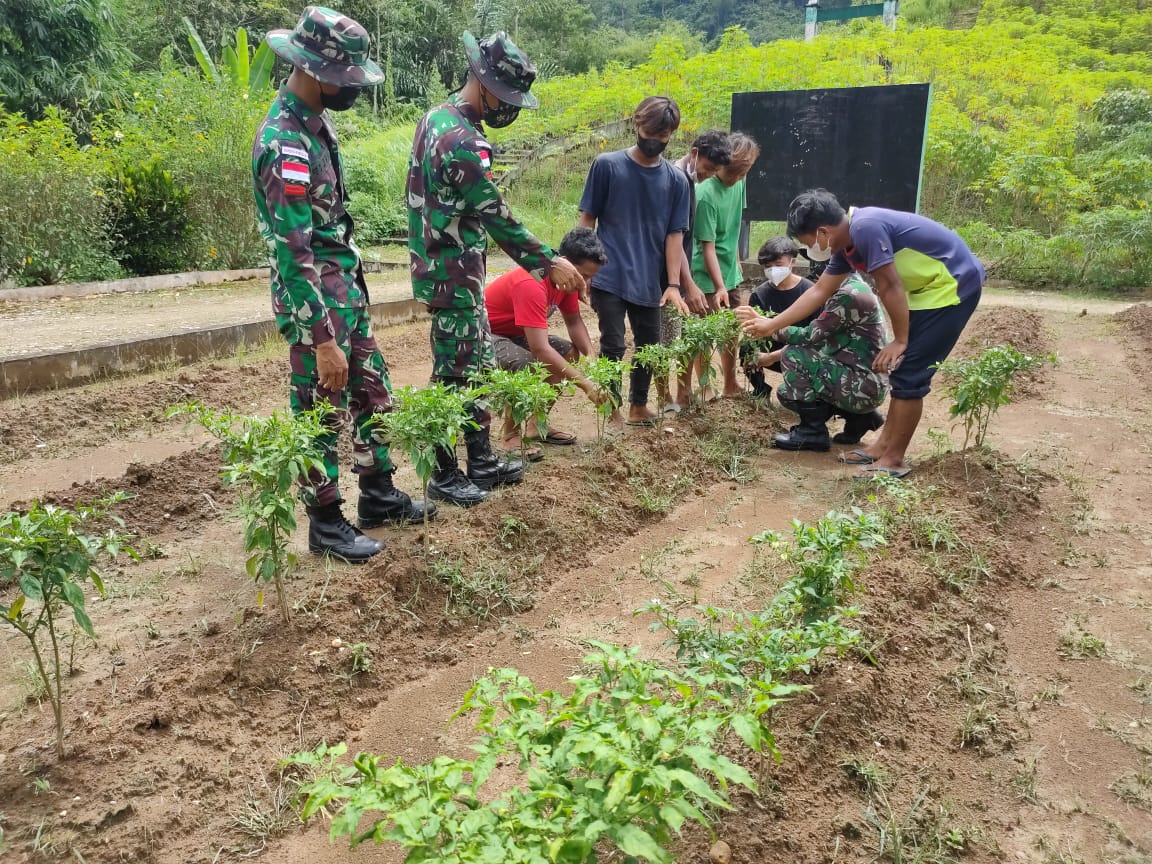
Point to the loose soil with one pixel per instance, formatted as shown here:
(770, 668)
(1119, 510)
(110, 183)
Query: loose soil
(987, 728)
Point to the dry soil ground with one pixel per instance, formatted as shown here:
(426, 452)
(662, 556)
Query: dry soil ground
(1006, 716)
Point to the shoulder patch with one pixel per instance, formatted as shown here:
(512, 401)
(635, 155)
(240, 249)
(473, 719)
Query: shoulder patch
(294, 151)
(295, 171)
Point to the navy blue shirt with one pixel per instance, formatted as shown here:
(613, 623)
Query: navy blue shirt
(636, 208)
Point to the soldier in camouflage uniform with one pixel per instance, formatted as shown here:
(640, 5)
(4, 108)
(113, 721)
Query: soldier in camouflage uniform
(318, 291)
(453, 204)
(827, 367)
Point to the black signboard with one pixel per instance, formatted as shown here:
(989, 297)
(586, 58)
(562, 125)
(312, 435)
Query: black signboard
(865, 144)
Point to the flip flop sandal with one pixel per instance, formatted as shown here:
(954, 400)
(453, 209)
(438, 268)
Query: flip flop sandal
(872, 470)
(648, 424)
(531, 454)
(855, 457)
(672, 409)
(559, 439)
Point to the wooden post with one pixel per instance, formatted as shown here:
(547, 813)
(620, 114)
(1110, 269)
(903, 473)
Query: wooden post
(890, 9)
(810, 14)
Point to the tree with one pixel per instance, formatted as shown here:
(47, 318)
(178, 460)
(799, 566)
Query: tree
(58, 52)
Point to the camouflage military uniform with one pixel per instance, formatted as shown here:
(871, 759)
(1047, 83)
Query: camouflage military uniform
(453, 203)
(318, 290)
(830, 360)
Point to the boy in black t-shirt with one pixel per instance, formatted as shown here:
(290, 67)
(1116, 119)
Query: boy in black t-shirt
(781, 289)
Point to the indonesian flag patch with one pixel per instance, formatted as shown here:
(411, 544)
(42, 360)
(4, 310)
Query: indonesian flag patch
(485, 158)
(295, 171)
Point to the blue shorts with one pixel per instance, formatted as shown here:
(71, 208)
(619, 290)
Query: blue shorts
(932, 334)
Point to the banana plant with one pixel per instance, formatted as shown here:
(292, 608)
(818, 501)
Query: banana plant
(238, 68)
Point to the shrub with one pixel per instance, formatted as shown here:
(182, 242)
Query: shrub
(151, 223)
(53, 209)
(375, 170)
(202, 133)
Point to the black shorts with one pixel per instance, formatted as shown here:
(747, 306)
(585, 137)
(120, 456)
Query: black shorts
(932, 334)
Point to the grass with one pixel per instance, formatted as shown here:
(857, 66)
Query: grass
(978, 726)
(1076, 643)
(923, 833)
(1135, 787)
(1024, 781)
(482, 592)
(31, 684)
(263, 816)
(868, 774)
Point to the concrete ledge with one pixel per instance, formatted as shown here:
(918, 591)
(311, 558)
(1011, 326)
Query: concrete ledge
(60, 369)
(166, 282)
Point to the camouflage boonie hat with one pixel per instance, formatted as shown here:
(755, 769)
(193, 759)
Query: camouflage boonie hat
(328, 46)
(502, 68)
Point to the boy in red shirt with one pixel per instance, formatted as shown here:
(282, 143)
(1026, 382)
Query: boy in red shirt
(518, 309)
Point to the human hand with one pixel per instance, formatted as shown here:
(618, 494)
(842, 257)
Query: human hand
(722, 298)
(889, 358)
(769, 358)
(756, 326)
(331, 366)
(745, 313)
(696, 299)
(672, 295)
(566, 277)
(596, 395)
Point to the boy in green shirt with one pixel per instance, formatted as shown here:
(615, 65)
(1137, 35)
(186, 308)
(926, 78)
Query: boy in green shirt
(720, 203)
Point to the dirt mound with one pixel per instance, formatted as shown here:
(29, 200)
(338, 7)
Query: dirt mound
(48, 423)
(1007, 325)
(1135, 326)
(910, 738)
(170, 496)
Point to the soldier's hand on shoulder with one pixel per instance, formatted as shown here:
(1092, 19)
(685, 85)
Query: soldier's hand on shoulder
(565, 276)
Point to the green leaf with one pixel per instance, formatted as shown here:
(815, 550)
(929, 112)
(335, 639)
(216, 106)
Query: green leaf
(621, 784)
(749, 731)
(640, 844)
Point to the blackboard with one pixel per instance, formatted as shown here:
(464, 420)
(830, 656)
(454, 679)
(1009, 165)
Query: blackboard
(865, 144)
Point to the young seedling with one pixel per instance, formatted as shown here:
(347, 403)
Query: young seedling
(607, 375)
(422, 420)
(663, 362)
(49, 557)
(699, 340)
(265, 457)
(524, 395)
(981, 385)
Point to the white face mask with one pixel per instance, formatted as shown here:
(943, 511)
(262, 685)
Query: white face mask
(778, 274)
(816, 252)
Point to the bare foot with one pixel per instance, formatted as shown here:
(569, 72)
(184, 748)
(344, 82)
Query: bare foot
(640, 414)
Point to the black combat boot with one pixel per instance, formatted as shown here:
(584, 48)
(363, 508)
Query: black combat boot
(449, 483)
(812, 432)
(381, 502)
(329, 533)
(485, 468)
(856, 426)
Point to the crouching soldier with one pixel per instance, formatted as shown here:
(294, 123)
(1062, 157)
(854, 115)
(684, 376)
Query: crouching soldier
(318, 291)
(827, 368)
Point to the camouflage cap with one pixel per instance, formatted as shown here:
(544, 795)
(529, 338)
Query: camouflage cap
(328, 46)
(502, 68)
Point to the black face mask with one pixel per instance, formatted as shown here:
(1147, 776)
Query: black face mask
(341, 100)
(651, 147)
(498, 118)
